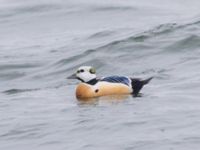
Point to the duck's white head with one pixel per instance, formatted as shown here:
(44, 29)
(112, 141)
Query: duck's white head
(84, 74)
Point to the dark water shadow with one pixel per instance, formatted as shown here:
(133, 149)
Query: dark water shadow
(16, 91)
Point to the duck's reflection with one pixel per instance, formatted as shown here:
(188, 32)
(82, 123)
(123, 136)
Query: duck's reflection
(107, 99)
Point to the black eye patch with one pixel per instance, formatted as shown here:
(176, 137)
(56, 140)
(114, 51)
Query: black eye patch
(80, 71)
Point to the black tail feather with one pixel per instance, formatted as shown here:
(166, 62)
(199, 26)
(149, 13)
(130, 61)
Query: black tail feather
(146, 81)
(137, 84)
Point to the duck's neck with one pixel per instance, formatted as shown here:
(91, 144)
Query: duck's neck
(93, 81)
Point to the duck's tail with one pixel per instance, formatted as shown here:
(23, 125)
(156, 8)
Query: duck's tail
(137, 84)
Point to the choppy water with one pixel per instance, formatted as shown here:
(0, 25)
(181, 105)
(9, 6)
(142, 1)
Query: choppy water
(42, 42)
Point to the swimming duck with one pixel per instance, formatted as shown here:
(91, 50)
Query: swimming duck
(91, 86)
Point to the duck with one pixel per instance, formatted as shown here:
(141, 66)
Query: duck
(92, 87)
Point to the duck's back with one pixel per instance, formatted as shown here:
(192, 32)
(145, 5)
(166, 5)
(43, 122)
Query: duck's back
(117, 79)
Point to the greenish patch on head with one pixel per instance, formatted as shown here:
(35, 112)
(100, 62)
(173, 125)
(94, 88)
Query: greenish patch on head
(92, 70)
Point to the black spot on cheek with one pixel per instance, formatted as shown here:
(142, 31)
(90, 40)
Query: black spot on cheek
(96, 91)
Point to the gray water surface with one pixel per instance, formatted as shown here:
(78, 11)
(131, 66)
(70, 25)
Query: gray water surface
(42, 42)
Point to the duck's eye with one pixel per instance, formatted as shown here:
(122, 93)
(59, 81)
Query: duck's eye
(81, 70)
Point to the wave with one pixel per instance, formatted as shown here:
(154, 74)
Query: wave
(152, 44)
(164, 30)
(28, 9)
(16, 91)
(114, 8)
(135, 51)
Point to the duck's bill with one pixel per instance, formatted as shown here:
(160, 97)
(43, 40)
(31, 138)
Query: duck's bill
(73, 76)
